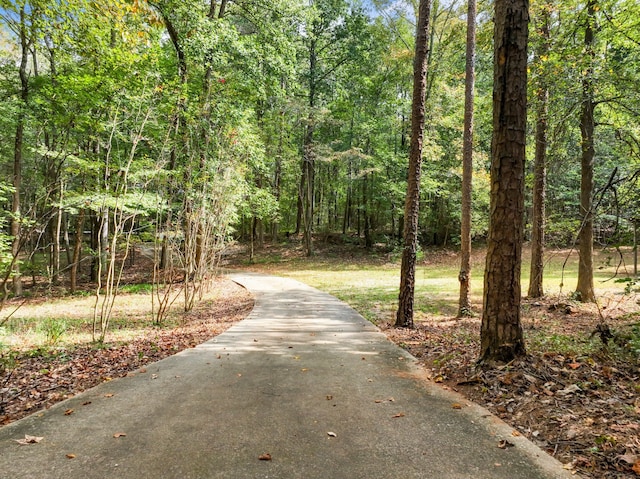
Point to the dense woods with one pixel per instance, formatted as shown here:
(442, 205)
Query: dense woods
(184, 125)
(139, 139)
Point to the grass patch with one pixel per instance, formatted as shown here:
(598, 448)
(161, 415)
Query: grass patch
(370, 282)
(66, 322)
(140, 288)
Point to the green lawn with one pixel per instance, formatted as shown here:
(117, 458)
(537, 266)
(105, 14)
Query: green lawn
(371, 286)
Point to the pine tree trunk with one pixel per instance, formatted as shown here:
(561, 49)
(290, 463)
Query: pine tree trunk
(584, 290)
(404, 316)
(536, 289)
(501, 335)
(464, 303)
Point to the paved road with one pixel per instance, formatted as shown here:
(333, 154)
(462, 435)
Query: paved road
(305, 379)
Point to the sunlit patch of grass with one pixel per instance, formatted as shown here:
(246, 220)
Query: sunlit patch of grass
(68, 321)
(539, 341)
(136, 288)
(371, 287)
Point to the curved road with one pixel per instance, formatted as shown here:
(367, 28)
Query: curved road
(304, 379)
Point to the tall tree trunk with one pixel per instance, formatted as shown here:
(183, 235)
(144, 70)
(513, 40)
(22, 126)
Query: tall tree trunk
(177, 123)
(308, 160)
(17, 154)
(95, 244)
(65, 236)
(308, 164)
(53, 183)
(536, 289)
(584, 289)
(277, 174)
(346, 221)
(501, 336)
(464, 303)
(77, 251)
(57, 217)
(368, 239)
(300, 200)
(404, 316)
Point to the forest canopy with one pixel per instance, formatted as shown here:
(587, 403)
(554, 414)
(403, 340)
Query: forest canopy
(190, 123)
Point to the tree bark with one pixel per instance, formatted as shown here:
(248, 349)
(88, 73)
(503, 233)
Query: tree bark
(308, 157)
(464, 303)
(536, 289)
(404, 316)
(501, 335)
(368, 238)
(584, 289)
(277, 174)
(77, 251)
(15, 228)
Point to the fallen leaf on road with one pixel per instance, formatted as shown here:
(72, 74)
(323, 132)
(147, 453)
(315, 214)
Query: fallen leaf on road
(109, 395)
(154, 376)
(456, 406)
(329, 397)
(304, 370)
(515, 433)
(71, 456)
(68, 412)
(504, 444)
(400, 414)
(265, 457)
(119, 434)
(86, 403)
(332, 434)
(29, 440)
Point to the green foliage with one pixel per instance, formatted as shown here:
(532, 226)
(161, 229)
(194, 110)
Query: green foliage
(633, 344)
(5, 239)
(136, 288)
(53, 330)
